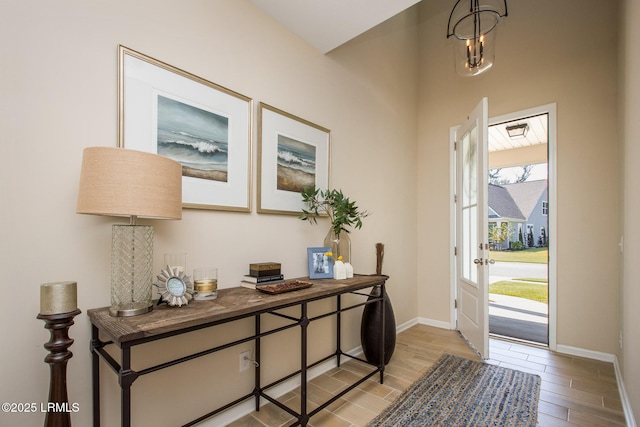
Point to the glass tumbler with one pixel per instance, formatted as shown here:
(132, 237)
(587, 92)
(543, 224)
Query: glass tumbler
(176, 261)
(205, 283)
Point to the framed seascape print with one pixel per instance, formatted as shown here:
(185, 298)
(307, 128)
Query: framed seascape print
(204, 127)
(293, 154)
(320, 266)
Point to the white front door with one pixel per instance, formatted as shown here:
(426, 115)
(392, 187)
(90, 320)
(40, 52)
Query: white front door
(472, 243)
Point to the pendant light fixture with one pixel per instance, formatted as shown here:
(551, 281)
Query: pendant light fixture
(517, 131)
(472, 25)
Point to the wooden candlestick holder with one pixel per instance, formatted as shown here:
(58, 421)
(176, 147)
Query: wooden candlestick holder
(58, 409)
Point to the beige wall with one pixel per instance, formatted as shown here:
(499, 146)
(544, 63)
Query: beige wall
(546, 54)
(59, 96)
(58, 91)
(630, 292)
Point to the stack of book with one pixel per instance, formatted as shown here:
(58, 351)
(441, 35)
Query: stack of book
(263, 273)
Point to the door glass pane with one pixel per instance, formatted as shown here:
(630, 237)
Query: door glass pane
(465, 170)
(469, 168)
(469, 243)
(469, 206)
(467, 256)
(473, 243)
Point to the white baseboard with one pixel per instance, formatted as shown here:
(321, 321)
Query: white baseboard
(589, 354)
(626, 405)
(435, 323)
(406, 325)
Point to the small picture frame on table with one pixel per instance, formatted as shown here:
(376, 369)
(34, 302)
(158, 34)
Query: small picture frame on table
(320, 266)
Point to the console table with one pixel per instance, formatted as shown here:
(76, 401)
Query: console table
(232, 304)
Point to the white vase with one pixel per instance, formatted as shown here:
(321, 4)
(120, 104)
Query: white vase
(349, 269)
(339, 270)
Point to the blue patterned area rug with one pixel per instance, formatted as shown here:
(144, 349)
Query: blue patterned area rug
(462, 392)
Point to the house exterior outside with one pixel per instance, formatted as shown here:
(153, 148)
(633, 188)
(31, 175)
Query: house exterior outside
(522, 207)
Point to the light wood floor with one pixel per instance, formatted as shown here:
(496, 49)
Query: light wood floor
(574, 391)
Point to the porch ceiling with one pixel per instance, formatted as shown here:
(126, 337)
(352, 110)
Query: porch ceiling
(499, 139)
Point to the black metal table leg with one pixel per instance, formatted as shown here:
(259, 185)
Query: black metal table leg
(95, 374)
(257, 389)
(126, 378)
(339, 329)
(304, 323)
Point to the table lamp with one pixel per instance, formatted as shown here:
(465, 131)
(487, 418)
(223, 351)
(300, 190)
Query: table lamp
(120, 182)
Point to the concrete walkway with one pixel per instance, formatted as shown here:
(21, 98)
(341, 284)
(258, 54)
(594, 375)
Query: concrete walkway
(518, 317)
(518, 308)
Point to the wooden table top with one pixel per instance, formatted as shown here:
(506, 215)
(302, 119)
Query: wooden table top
(232, 303)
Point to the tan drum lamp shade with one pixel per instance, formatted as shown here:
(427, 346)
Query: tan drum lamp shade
(120, 182)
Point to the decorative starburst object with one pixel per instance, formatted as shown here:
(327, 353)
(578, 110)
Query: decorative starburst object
(175, 287)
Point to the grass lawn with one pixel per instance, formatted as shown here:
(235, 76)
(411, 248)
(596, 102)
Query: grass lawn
(532, 291)
(534, 255)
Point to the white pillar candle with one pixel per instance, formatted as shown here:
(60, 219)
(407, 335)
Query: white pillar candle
(58, 297)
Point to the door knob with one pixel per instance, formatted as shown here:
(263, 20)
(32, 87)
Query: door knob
(477, 261)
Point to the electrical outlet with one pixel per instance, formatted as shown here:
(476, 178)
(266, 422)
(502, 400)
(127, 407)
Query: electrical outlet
(620, 339)
(245, 360)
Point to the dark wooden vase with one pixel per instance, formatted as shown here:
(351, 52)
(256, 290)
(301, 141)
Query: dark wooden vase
(372, 330)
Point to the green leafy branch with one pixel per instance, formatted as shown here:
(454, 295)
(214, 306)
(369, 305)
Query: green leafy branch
(342, 212)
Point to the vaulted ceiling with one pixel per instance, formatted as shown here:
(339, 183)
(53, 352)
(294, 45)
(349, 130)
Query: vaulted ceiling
(327, 24)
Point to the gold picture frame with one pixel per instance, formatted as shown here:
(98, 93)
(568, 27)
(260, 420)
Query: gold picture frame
(204, 126)
(293, 154)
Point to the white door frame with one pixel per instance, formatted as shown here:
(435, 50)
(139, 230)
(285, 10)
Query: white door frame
(549, 109)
